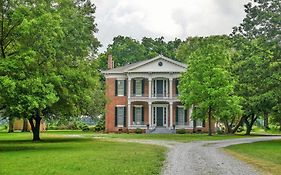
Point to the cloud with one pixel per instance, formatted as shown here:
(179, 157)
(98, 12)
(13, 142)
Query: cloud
(168, 18)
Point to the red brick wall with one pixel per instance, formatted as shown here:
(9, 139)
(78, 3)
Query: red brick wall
(112, 101)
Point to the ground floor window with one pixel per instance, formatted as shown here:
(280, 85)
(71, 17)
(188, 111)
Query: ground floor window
(181, 116)
(120, 116)
(138, 115)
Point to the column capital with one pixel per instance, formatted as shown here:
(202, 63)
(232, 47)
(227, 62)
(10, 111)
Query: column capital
(171, 78)
(171, 103)
(149, 103)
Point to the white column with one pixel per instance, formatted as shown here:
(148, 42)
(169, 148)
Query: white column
(129, 114)
(171, 115)
(129, 87)
(171, 87)
(149, 115)
(149, 87)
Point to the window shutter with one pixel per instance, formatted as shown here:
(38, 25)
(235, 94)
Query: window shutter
(177, 115)
(125, 88)
(134, 87)
(134, 114)
(185, 116)
(125, 121)
(177, 83)
(116, 116)
(203, 123)
(116, 87)
(142, 87)
(142, 114)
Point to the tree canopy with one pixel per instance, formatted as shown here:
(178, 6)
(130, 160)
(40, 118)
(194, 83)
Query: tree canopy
(207, 84)
(46, 65)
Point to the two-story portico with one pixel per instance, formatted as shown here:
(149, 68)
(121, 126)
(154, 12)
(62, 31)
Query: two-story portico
(145, 94)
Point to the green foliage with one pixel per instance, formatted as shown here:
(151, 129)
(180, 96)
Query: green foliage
(46, 64)
(181, 131)
(126, 50)
(100, 126)
(207, 84)
(261, 28)
(138, 131)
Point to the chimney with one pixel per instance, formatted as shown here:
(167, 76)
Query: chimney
(110, 63)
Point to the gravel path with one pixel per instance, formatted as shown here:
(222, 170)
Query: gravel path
(203, 158)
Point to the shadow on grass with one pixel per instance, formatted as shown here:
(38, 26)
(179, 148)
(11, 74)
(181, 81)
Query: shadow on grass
(46, 140)
(43, 145)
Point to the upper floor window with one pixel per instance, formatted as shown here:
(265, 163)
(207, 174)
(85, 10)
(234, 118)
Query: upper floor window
(138, 87)
(120, 87)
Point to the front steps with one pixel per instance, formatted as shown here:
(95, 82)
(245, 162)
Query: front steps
(161, 130)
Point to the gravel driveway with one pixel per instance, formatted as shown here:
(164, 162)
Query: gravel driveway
(205, 157)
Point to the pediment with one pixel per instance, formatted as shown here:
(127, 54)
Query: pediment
(159, 64)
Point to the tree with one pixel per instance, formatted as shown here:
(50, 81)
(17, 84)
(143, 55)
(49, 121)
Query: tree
(263, 22)
(126, 50)
(207, 83)
(48, 67)
(254, 83)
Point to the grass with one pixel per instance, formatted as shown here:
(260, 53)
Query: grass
(57, 154)
(265, 156)
(169, 137)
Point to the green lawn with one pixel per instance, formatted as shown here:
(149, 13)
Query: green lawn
(57, 154)
(266, 156)
(169, 137)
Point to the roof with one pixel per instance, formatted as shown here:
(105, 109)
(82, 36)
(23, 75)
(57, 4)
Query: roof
(133, 66)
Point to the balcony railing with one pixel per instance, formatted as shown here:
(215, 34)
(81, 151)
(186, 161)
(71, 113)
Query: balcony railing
(160, 95)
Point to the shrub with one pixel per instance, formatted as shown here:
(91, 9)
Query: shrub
(85, 128)
(100, 126)
(138, 131)
(181, 131)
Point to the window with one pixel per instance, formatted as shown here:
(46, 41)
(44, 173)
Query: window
(120, 87)
(181, 116)
(138, 115)
(138, 87)
(199, 123)
(120, 116)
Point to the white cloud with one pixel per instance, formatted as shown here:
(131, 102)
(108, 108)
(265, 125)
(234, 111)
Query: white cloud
(168, 18)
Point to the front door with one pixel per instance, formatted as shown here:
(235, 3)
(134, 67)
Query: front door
(160, 116)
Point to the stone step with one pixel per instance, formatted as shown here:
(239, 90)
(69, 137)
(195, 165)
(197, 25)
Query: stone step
(161, 130)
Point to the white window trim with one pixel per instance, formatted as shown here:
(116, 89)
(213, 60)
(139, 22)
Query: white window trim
(181, 106)
(121, 79)
(121, 106)
(154, 118)
(138, 79)
(137, 106)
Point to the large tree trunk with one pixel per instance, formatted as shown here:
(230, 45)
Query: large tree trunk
(228, 126)
(209, 120)
(11, 125)
(35, 127)
(238, 124)
(249, 123)
(25, 125)
(266, 126)
(194, 126)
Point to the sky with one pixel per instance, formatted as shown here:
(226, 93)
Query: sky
(169, 18)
